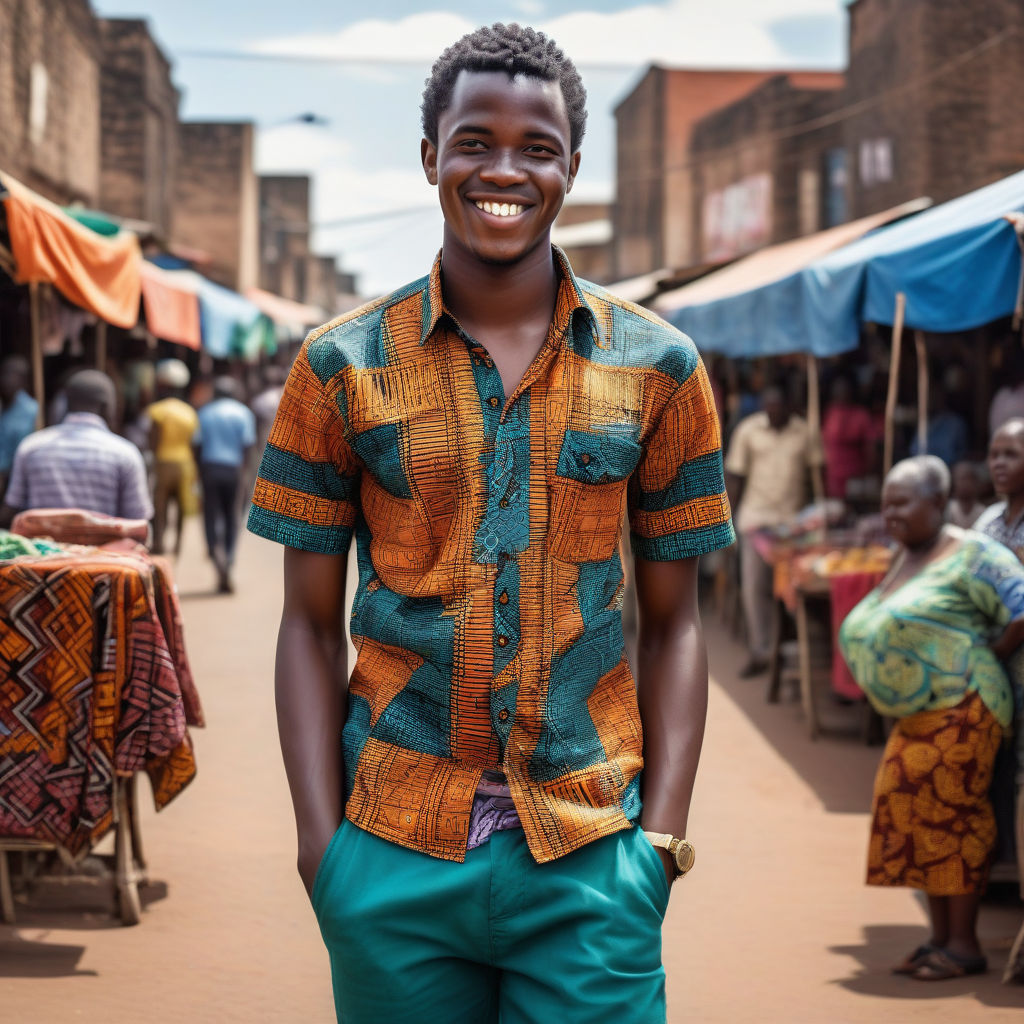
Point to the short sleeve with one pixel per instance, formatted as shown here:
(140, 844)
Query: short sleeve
(248, 429)
(306, 494)
(995, 583)
(677, 502)
(738, 460)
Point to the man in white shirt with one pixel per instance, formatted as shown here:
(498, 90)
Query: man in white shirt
(766, 475)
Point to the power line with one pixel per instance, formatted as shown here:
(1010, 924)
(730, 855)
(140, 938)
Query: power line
(842, 113)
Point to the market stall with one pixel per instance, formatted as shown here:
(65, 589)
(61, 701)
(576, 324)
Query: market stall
(819, 574)
(95, 688)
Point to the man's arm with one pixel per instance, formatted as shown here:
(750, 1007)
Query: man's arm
(311, 684)
(672, 690)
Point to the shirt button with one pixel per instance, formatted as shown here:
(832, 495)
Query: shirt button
(503, 503)
(503, 597)
(492, 402)
(585, 459)
(503, 715)
(502, 641)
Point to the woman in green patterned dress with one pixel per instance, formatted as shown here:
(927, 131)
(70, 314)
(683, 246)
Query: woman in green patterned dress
(927, 647)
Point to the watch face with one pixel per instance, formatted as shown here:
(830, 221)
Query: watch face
(684, 857)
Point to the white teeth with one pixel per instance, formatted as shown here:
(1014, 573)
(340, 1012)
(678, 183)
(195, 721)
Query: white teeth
(500, 209)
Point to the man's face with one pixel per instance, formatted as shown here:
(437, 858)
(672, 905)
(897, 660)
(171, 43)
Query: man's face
(503, 164)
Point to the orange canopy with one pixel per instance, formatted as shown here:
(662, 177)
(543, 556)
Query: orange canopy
(172, 306)
(99, 274)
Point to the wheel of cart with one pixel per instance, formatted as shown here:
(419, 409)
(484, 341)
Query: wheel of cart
(129, 862)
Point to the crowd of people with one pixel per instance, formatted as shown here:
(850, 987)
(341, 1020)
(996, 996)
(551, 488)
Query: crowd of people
(935, 647)
(173, 460)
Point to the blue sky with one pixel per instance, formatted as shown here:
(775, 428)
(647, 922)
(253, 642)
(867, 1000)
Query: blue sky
(366, 159)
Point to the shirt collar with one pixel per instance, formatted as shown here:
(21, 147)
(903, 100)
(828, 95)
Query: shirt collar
(86, 419)
(570, 304)
(1004, 514)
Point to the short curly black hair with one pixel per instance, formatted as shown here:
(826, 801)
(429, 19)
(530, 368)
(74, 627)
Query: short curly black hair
(513, 48)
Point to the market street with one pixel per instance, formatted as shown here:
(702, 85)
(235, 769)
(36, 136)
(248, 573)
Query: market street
(774, 924)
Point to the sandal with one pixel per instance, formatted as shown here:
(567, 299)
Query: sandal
(940, 965)
(914, 960)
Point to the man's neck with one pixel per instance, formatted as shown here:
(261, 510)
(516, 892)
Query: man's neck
(497, 295)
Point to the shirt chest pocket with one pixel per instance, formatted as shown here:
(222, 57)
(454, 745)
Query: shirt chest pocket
(588, 491)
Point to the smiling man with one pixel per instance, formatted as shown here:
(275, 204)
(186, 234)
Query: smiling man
(474, 829)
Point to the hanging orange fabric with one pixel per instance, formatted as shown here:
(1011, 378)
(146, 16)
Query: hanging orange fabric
(101, 275)
(172, 307)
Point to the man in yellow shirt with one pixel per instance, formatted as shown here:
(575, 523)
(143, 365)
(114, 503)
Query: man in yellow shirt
(173, 423)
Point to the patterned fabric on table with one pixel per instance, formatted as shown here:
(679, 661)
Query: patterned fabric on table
(924, 645)
(488, 611)
(88, 691)
(932, 825)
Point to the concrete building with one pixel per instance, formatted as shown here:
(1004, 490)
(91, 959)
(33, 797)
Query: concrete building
(714, 164)
(139, 126)
(654, 199)
(932, 100)
(50, 55)
(217, 207)
(288, 266)
(753, 180)
(284, 234)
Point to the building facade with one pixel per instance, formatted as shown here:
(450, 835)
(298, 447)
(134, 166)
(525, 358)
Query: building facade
(139, 126)
(654, 195)
(217, 205)
(755, 181)
(50, 58)
(930, 104)
(714, 164)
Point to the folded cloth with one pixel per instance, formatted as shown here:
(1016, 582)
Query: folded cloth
(78, 526)
(14, 545)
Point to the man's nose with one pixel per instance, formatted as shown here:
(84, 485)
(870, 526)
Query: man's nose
(503, 168)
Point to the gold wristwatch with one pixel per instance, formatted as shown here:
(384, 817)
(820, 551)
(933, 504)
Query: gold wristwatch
(682, 850)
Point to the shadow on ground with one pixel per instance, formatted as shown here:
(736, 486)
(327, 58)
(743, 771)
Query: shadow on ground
(29, 958)
(885, 945)
(838, 766)
(76, 904)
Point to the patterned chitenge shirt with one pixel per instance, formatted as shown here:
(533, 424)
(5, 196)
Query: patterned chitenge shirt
(488, 612)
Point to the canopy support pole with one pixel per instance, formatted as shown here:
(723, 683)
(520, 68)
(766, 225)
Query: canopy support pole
(894, 381)
(38, 385)
(922, 392)
(101, 345)
(814, 424)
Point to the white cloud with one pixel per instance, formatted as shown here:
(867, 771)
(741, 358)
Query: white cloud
(531, 8)
(727, 33)
(342, 192)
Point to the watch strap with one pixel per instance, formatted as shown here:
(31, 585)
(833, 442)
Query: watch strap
(667, 841)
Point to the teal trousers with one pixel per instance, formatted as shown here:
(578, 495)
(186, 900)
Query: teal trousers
(498, 938)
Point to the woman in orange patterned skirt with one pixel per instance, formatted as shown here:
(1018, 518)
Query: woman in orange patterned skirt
(927, 647)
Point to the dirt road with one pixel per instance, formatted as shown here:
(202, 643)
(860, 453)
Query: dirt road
(773, 925)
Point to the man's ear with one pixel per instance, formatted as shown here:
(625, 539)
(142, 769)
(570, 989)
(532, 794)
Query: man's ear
(428, 156)
(574, 167)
